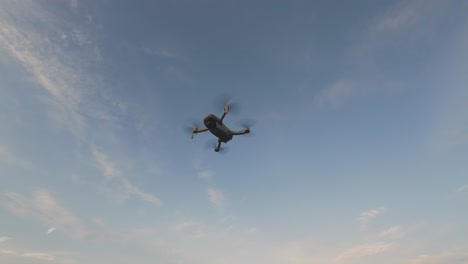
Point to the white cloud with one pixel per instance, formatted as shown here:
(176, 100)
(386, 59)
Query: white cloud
(52, 75)
(50, 230)
(8, 252)
(178, 74)
(105, 165)
(39, 255)
(42, 206)
(216, 197)
(463, 188)
(392, 232)
(160, 52)
(450, 128)
(7, 156)
(205, 174)
(367, 216)
(202, 173)
(335, 95)
(399, 16)
(73, 4)
(189, 228)
(364, 250)
(252, 230)
(61, 257)
(457, 255)
(113, 174)
(4, 239)
(65, 76)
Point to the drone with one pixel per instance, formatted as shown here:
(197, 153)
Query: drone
(216, 126)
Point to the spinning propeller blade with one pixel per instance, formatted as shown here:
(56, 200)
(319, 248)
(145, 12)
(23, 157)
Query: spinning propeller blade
(226, 100)
(194, 125)
(247, 123)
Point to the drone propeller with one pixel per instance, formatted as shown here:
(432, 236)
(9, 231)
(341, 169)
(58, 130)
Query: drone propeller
(247, 124)
(226, 100)
(189, 129)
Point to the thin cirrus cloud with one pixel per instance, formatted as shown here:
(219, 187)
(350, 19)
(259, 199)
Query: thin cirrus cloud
(398, 17)
(205, 174)
(8, 252)
(4, 239)
(458, 255)
(44, 207)
(189, 228)
(216, 198)
(463, 188)
(113, 174)
(7, 156)
(367, 217)
(63, 74)
(51, 230)
(39, 255)
(392, 233)
(364, 250)
(46, 66)
(335, 95)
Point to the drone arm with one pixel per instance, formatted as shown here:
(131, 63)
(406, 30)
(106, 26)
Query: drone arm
(196, 130)
(242, 132)
(222, 117)
(226, 110)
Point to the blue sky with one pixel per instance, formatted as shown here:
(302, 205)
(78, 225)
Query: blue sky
(358, 155)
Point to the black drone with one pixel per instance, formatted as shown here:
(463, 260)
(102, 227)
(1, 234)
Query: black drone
(216, 126)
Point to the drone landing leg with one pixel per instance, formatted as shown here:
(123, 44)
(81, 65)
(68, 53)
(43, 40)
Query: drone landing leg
(219, 146)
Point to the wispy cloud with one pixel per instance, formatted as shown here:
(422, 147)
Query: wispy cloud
(392, 233)
(7, 156)
(463, 188)
(160, 52)
(65, 75)
(73, 4)
(50, 230)
(205, 174)
(368, 216)
(4, 239)
(335, 95)
(189, 228)
(399, 16)
(44, 207)
(365, 250)
(106, 166)
(216, 197)
(39, 255)
(114, 175)
(457, 255)
(252, 230)
(52, 256)
(8, 252)
(55, 77)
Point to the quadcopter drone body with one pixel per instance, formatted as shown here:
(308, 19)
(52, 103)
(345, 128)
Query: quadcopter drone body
(215, 125)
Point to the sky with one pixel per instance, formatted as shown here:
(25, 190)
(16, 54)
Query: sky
(358, 152)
